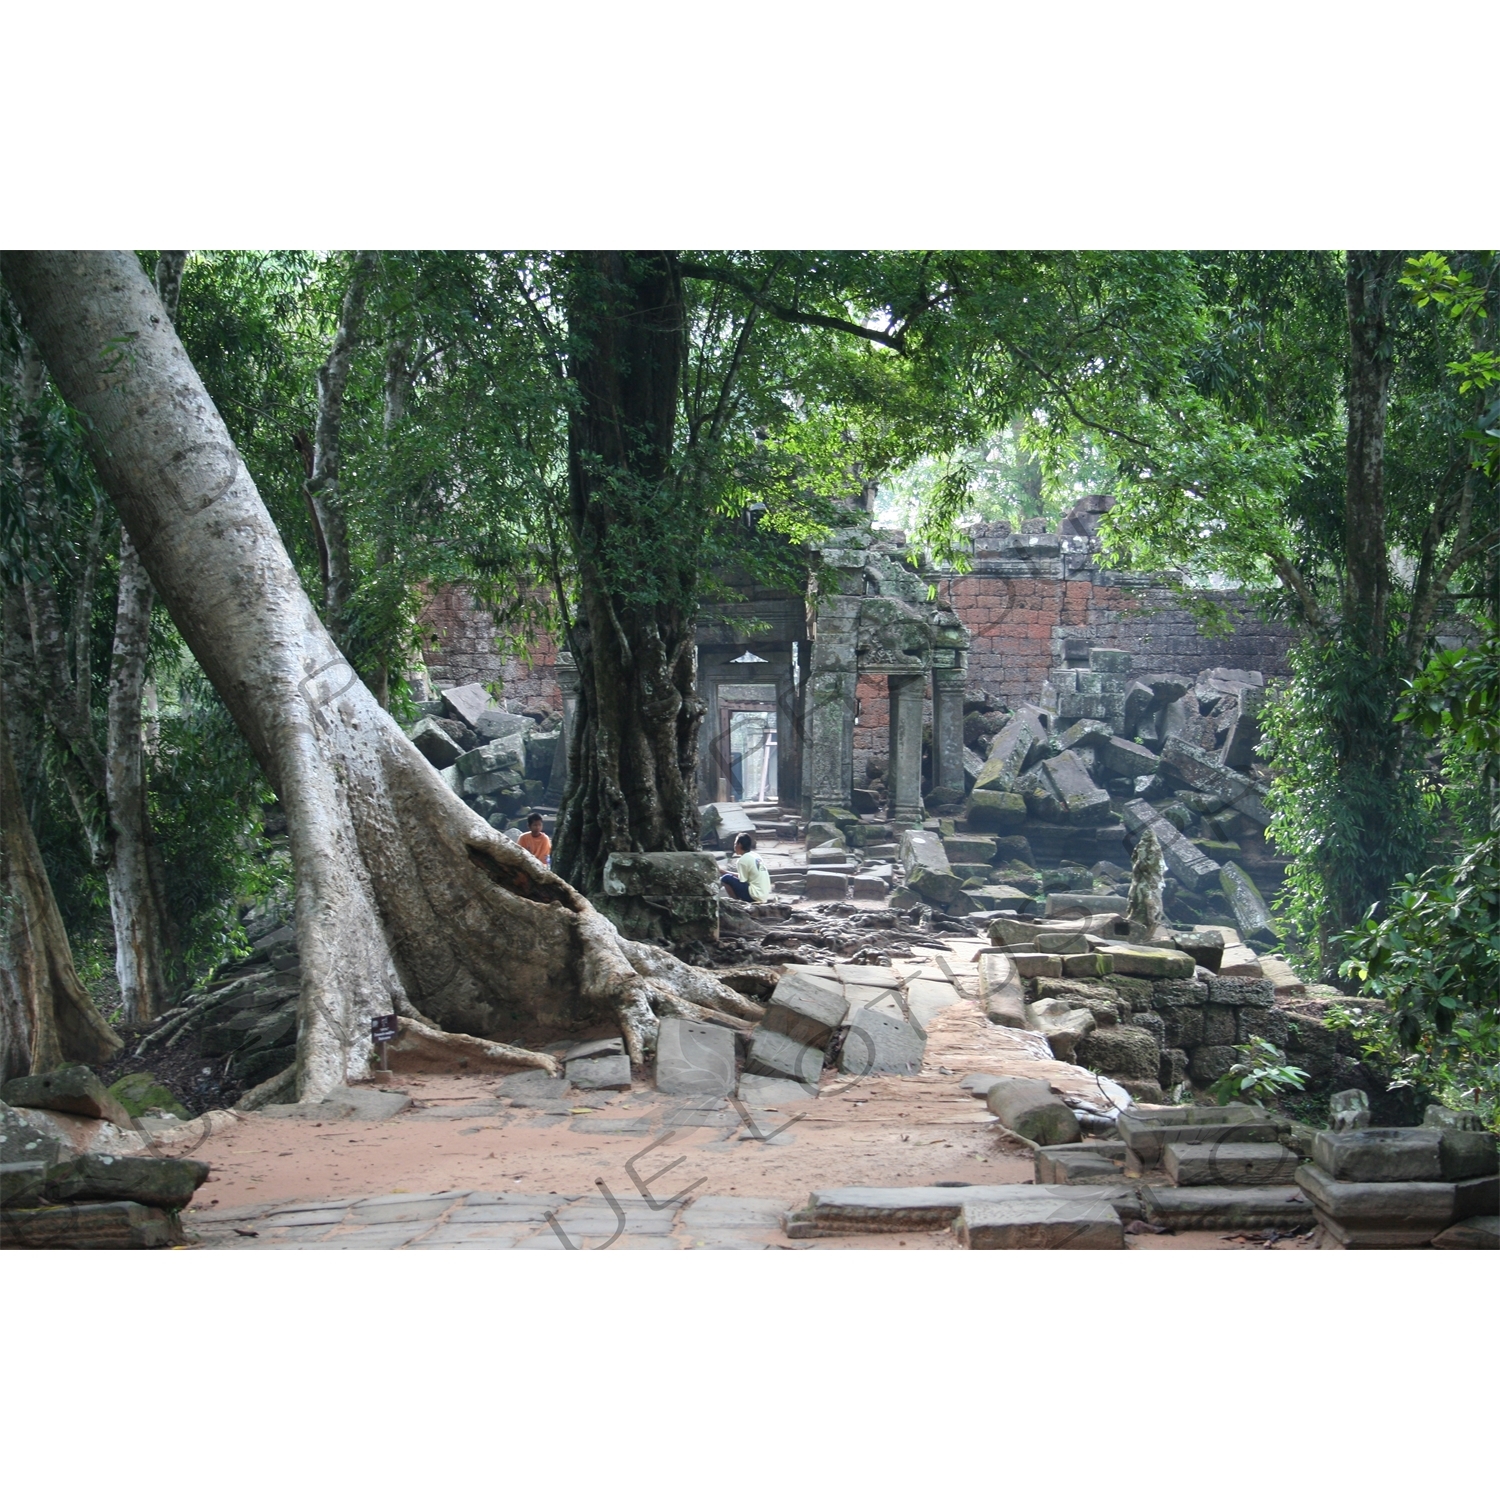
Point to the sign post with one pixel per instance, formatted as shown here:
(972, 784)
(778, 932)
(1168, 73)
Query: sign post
(383, 1030)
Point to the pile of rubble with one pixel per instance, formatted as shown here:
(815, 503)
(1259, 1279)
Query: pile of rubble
(504, 760)
(1155, 1015)
(68, 1179)
(1238, 1169)
(1073, 780)
(1394, 1189)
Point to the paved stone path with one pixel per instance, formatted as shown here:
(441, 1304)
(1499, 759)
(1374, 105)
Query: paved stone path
(463, 1220)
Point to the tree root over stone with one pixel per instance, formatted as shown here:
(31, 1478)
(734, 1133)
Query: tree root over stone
(407, 901)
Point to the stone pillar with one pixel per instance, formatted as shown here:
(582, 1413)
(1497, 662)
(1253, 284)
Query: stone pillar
(828, 709)
(948, 728)
(567, 681)
(905, 778)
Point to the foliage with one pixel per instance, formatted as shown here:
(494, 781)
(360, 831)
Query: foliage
(1002, 478)
(1431, 955)
(206, 796)
(1350, 828)
(204, 789)
(1459, 1068)
(1262, 1074)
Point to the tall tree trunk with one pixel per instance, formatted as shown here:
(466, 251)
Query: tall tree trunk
(46, 1015)
(327, 454)
(1369, 278)
(1371, 823)
(407, 900)
(635, 742)
(137, 887)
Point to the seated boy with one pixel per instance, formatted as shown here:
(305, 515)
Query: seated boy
(753, 881)
(535, 842)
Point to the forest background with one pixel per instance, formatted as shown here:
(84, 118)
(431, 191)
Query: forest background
(1318, 428)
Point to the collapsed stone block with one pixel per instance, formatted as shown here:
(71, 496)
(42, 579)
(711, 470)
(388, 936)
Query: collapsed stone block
(1063, 1022)
(1037, 965)
(807, 1008)
(468, 702)
(988, 808)
(1281, 1207)
(91, 1226)
(1016, 747)
(1000, 988)
(877, 1043)
(1041, 1224)
(927, 869)
(501, 761)
(1147, 1135)
(71, 1090)
(1185, 861)
(1197, 768)
(1081, 1162)
(695, 1057)
(435, 743)
(1482, 1232)
(1126, 758)
(775, 1055)
(157, 1181)
(609, 1070)
(826, 885)
(1148, 963)
(1028, 1108)
(1119, 1052)
(1251, 914)
(1230, 1164)
(499, 724)
(1086, 732)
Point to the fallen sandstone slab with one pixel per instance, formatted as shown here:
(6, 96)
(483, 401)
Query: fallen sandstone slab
(1147, 1134)
(1039, 1225)
(73, 1090)
(877, 1210)
(1028, 1108)
(88, 1226)
(1394, 1215)
(1482, 1232)
(1002, 992)
(1230, 1164)
(1227, 1207)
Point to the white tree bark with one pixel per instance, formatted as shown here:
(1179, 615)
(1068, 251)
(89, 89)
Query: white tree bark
(406, 899)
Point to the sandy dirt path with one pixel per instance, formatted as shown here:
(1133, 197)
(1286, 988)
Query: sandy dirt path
(459, 1137)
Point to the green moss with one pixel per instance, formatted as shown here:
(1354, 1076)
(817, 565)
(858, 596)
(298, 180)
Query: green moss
(141, 1094)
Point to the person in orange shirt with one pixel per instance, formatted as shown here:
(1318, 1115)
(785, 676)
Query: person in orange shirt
(535, 842)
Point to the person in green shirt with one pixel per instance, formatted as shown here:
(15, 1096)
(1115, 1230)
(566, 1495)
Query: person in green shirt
(752, 882)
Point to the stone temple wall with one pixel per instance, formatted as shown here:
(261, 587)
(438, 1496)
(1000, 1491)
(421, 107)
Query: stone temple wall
(1021, 624)
(1022, 617)
(1020, 612)
(460, 644)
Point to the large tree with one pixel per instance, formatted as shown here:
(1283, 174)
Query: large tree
(406, 900)
(1322, 438)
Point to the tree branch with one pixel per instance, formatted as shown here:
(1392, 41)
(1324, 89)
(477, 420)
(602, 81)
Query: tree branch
(693, 271)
